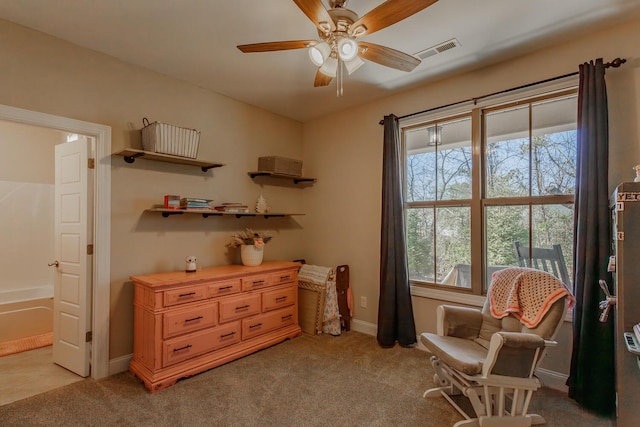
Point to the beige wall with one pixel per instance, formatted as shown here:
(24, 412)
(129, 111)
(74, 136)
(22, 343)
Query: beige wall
(51, 76)
(345, 152)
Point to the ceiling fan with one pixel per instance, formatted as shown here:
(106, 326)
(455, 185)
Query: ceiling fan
(338, 29)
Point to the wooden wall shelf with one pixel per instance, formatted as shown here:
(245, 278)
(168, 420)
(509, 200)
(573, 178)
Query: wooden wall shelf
(210, 212)
(130, 155)
(295, 179)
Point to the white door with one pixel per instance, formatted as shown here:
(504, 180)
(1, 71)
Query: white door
(72, 290)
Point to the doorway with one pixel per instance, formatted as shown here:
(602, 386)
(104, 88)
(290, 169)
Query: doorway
(100, 276)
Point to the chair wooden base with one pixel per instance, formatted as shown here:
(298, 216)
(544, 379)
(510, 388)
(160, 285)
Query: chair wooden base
(489, 397)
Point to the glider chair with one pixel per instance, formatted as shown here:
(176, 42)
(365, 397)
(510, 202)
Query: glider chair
(489, 355)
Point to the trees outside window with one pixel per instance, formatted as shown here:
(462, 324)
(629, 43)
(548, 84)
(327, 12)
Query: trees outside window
(526, 152)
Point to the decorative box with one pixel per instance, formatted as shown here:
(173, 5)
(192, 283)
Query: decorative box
(280, 165)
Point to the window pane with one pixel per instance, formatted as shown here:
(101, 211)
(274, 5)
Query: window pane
(504, 225)
(554, 147)
(454, 160)
(507, 153)
(553, 225)
(453, 246)
(421, 176)
(420, 244)
(438, 161)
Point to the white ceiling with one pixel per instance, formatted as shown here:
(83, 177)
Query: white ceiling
(195, 41)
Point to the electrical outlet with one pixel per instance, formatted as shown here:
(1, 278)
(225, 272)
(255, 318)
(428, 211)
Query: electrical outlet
(363, 302)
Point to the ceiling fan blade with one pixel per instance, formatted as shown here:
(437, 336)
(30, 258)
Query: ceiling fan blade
(322, 79)
(273, 46)
(315, 10)
(388, 57)
(388, 13)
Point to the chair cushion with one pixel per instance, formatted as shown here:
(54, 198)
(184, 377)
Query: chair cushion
(462, 354)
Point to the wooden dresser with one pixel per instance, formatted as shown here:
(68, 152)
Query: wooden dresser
(186, 323)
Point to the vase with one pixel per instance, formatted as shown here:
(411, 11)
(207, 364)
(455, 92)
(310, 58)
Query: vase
(250, 255)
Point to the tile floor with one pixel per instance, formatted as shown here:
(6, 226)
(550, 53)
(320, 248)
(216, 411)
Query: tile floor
(31, 372)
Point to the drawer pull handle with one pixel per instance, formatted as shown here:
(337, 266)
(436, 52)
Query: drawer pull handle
(258, 282)
(285, 277)
(280, 299)
(243, 307)
(230, 334)
(193, 319)
(287, 317)
(190, 294)
(225, 288)
(182, 348)
(257, 325)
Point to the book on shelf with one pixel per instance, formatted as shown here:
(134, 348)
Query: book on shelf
(232, 208)
(195, 203)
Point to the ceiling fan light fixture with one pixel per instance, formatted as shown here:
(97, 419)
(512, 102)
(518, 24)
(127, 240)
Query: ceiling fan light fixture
(319, 53)
(353, 64)
(347, 49)
(329, 67)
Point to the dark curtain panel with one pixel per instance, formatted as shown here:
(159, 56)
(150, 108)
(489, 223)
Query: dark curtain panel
(395, 313)
(591, 379)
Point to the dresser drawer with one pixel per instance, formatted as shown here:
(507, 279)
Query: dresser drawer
(279, 298)
(179, 349)
(228, 287)
(268, 322)
(283, 277)
(255, 282)
(237, 307)
(184, 295)
(181, 321)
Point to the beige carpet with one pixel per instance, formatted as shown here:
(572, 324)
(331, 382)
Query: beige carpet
(308, 381)
(25, 344)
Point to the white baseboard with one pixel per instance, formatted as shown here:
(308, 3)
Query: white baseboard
(364, 327)
(553, 379)
(119, 364)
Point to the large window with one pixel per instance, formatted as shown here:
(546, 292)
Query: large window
(487, 189)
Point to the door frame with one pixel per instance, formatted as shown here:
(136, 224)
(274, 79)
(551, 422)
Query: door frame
(101, 275)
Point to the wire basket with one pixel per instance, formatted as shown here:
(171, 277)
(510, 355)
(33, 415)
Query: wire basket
(164, 138)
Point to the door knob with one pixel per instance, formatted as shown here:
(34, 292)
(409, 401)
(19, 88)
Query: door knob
(56, 263)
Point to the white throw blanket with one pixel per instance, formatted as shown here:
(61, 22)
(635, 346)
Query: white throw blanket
(314, 274)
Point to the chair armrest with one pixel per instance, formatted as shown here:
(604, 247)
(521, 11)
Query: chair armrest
(513, 354)
(460, 322)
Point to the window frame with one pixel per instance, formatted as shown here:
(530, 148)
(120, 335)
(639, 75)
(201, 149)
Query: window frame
(478, 202)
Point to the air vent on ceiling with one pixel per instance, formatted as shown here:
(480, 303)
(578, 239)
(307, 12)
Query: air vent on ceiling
(439, 48)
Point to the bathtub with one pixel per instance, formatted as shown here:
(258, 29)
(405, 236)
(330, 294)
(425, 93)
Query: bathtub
(23, 319)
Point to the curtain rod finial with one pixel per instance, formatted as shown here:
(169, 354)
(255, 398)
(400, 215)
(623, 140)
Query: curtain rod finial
(616, 62)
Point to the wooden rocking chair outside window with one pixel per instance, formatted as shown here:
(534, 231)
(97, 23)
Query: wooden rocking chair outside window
(550, 260)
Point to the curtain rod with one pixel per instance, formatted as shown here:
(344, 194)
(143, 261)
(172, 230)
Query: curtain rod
(615, 64)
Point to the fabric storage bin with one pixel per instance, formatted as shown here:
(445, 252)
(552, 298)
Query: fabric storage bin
(168, 139)
(280, 165)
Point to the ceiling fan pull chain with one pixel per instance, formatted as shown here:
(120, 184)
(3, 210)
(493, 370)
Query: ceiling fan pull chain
(339, 82)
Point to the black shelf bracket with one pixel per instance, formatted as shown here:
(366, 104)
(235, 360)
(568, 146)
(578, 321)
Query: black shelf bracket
(132, 158)
(168, 214)
(298, 180)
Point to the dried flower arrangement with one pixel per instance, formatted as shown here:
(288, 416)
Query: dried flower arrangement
(250, 237)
